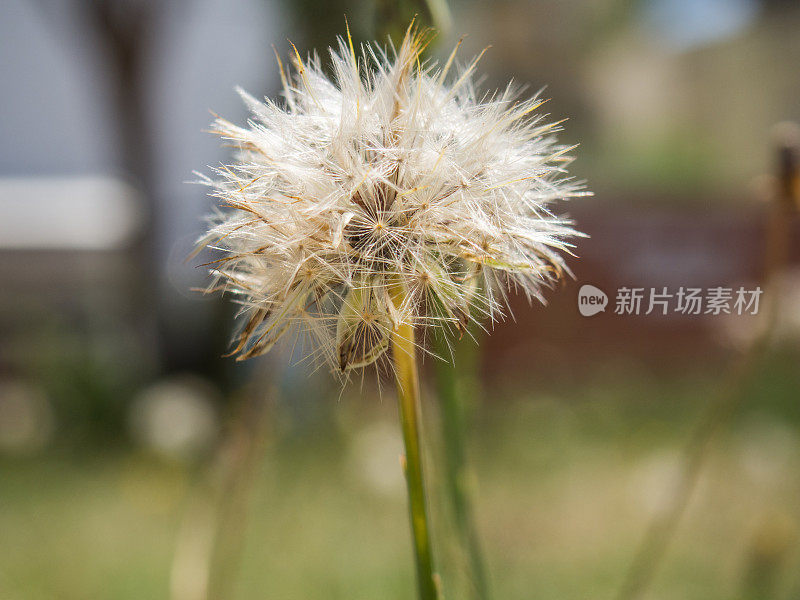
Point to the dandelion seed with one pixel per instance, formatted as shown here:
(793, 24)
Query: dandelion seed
(384, 196)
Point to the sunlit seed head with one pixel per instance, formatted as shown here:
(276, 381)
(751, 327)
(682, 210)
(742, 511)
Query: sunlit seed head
(389, 193)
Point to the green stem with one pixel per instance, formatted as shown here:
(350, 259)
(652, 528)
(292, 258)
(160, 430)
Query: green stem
(457, 472)
(405, 364)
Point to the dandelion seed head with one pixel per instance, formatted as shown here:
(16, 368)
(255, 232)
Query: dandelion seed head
(387, 193)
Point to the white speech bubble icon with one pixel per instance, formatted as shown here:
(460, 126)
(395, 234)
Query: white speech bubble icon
(591, 300)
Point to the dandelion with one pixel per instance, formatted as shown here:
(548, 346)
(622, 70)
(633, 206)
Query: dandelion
(386, 199)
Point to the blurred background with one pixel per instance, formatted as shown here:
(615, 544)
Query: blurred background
(135, 462)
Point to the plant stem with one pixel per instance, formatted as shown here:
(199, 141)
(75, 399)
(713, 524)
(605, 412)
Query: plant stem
(405, 364)
(454, 407)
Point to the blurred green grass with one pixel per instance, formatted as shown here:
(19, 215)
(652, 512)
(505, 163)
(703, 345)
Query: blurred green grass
(567, 477)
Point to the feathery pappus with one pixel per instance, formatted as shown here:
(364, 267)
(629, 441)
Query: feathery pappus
(387, 193)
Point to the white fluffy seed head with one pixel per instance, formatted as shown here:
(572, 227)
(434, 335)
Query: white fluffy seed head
(388, 193)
